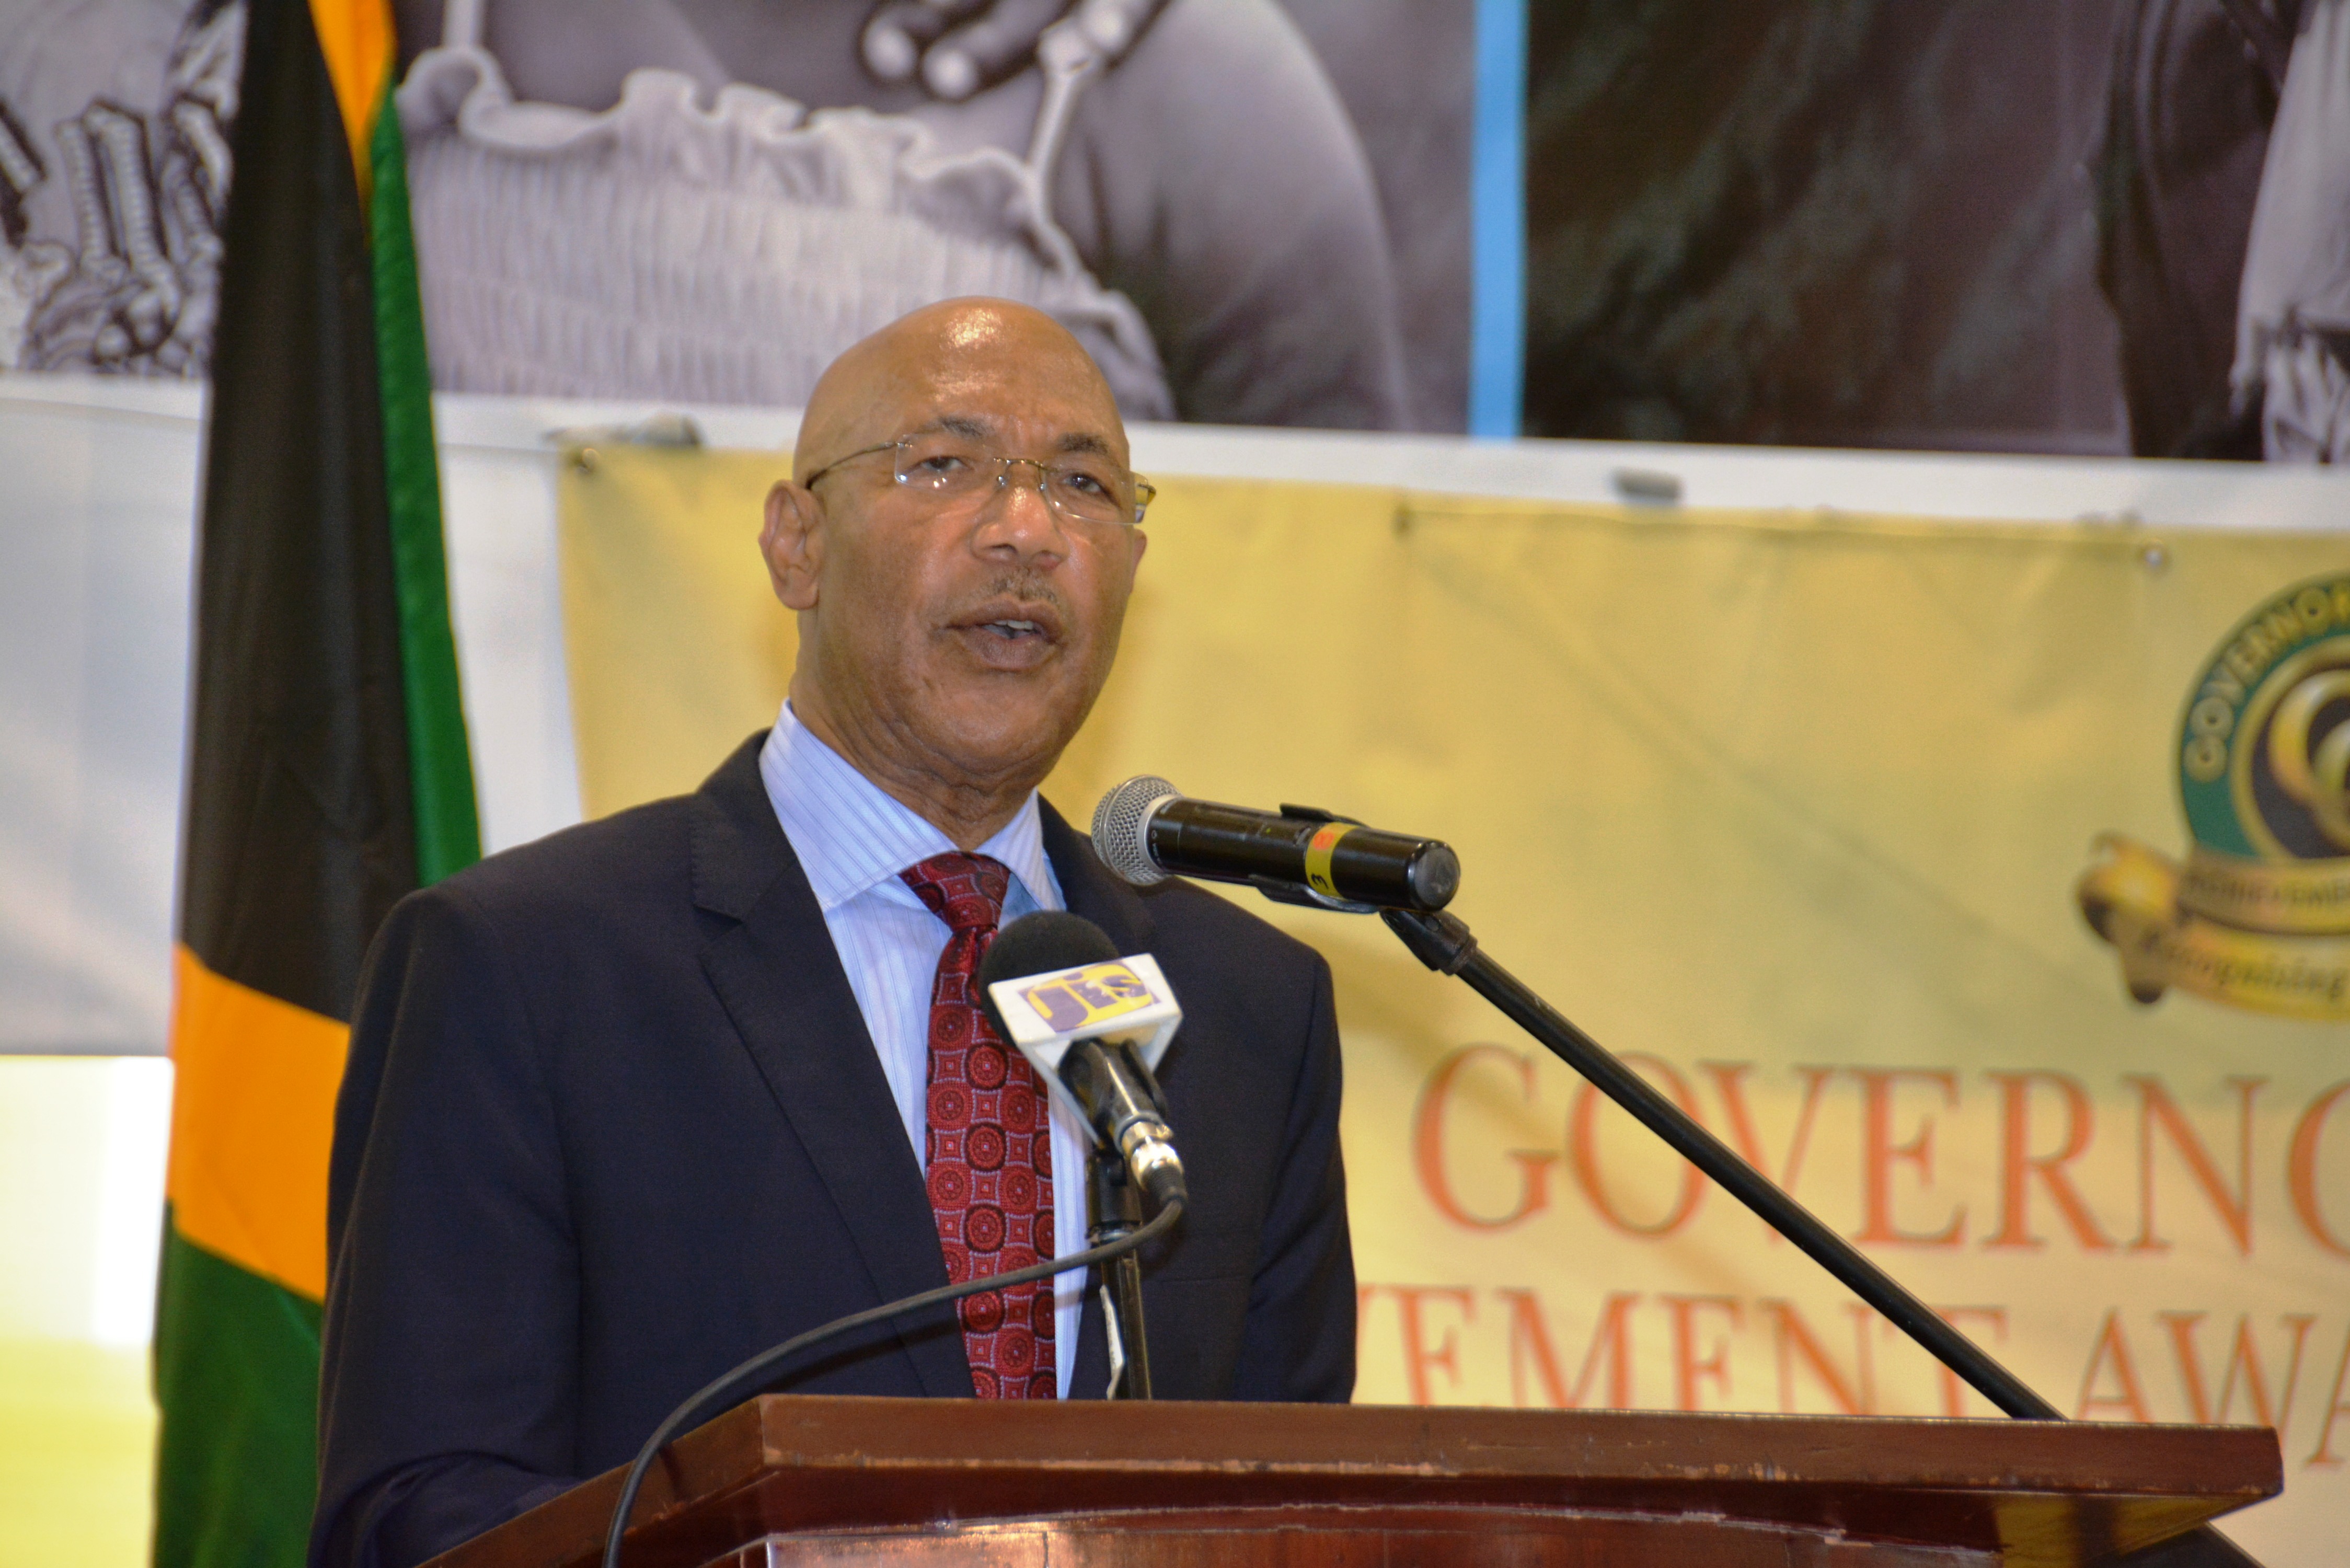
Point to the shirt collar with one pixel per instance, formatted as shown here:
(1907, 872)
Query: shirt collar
(853, 837)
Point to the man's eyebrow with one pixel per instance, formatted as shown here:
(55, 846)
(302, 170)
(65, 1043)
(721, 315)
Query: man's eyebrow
(963, 425)
(974, 428)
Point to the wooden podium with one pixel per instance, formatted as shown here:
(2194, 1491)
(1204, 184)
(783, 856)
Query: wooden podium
(785, 1481)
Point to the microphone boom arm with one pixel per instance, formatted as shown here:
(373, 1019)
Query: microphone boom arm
(1444, 944)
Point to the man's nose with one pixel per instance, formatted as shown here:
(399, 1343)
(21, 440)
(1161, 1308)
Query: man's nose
(1017, 517)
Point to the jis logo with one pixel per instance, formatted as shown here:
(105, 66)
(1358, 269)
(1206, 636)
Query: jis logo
(1092, 993)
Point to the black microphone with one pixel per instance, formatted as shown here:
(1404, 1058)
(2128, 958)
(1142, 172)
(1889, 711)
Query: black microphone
(1145, 831)
(1063, 1024)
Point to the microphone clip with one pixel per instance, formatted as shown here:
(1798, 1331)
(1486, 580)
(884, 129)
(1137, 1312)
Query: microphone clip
(1306, 897)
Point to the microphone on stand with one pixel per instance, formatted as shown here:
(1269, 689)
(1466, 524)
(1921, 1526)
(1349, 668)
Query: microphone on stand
(1146, 831)
(1093, 1025)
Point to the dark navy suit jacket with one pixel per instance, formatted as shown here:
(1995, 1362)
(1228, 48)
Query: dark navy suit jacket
(612, 1123)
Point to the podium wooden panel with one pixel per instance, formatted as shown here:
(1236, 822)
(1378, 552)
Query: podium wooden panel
(794, 1483)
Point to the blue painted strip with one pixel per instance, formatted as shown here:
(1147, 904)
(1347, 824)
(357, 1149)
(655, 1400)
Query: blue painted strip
(1497, 215)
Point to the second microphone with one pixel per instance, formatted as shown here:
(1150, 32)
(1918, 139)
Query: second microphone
(1144, 830)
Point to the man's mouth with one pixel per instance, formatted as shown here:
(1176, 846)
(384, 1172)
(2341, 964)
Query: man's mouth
(1013, 619)
(1010, 635)
(1012, 631)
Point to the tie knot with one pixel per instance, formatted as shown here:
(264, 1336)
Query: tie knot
(966, 891)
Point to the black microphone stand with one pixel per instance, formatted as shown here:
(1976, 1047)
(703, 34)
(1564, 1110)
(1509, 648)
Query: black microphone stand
(1443, 943)
(1114, 1205)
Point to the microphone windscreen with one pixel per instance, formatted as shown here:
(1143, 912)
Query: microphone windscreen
(1039, 944)
(1122, 828)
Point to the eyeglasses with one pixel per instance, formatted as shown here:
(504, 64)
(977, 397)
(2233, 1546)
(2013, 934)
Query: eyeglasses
(949, 469)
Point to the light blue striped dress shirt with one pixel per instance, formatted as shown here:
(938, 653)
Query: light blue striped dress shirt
(853, 839)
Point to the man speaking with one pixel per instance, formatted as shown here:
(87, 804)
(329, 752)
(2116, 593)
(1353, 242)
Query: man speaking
(631, 1104)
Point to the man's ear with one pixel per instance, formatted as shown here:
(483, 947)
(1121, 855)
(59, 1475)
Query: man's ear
(792, 539)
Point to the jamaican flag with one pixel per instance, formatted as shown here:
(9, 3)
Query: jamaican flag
(327, 772)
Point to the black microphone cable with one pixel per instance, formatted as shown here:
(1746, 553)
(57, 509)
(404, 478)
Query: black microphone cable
(730, 1387)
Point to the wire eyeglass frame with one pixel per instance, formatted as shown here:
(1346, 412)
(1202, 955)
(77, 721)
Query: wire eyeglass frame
(1051, 479)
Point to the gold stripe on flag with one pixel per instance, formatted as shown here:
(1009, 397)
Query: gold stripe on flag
(253, 1121)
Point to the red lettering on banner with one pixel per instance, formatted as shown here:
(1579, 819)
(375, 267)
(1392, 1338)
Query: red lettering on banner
(1879, 1151)
(2243, 1360)
(1954, 1387)
(1583, 1154)
(2322, 1456)
(2019, 1164)
(1687, 1365)
(1727, 1077)
(2113, 1345)
(2156, 1108)
(1611, 1345)
(1428, 1145)
(1791, 1338)
(2301, 1170)
(1419, 1357)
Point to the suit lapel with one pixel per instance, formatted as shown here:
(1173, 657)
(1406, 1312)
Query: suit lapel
(779, 977)
(777, 974)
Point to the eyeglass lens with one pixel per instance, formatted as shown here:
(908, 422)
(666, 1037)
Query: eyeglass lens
(1093, 489)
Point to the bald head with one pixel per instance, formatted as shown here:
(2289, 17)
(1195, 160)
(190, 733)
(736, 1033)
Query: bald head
(951, 643)
(958, 352)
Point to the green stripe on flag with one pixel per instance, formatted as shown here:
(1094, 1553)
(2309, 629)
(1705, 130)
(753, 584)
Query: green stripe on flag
(236, 1469)
(448, 830)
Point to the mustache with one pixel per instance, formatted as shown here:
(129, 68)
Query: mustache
(1025, 587)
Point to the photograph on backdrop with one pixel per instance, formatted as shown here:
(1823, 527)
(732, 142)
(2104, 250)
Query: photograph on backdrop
(1251, 213)
(2097, 227)
(2086, 227)
(705, 201)
(114, 169)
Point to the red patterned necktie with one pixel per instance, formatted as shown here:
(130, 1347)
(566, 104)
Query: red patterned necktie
(991, 1155)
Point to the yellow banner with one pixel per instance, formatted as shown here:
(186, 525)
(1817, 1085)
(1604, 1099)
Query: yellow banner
(1793, 812)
